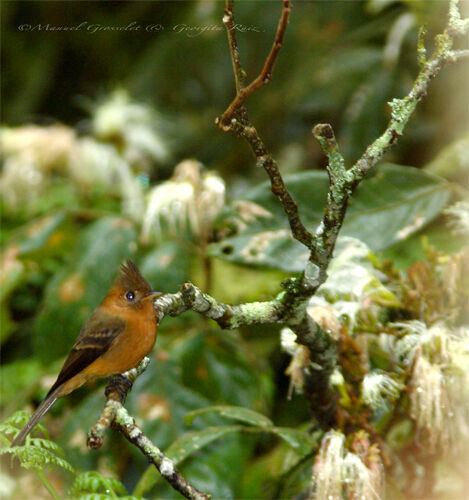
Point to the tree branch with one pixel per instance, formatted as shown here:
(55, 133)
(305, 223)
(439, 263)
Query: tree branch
(242, 93)
(343, 182)
(289, 306)
(337, 196)
(402, 109)
(235, 119)
(228, 21)
(116, 415)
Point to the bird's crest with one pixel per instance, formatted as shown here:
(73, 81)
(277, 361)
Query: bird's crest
(131, 278)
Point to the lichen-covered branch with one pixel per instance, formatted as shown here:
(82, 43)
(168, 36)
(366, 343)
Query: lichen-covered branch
(342, 181)
(126, 424)
(115, 414)
(289, 306)
(402, 109)
(286, 308)
(337, 196)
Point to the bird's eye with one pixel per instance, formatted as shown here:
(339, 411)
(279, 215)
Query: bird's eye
(130, 296)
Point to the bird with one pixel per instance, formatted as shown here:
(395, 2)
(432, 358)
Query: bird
(119, 333)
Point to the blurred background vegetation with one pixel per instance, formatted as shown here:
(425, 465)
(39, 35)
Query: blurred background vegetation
(98, 126)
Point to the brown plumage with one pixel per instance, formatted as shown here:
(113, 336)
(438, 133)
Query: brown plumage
(114, 339)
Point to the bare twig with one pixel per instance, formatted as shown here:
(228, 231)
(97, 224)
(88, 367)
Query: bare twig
(116, 390)
(116, 415)
(242, 93)
(265, 160)
(228, 20)
(235, 119)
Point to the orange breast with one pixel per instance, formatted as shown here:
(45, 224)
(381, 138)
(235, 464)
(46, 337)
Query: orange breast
(128, 349)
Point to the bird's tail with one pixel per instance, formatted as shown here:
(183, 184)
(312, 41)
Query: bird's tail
(45, 406)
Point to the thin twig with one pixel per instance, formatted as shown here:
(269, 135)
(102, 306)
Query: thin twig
(289, 307)
(402, 109)
(277, 185)
(116, 415)
(337, 196)
(132, 432)
(343, 182)
(116, 391)
(242, 93)
(228, 20)
(235, 119)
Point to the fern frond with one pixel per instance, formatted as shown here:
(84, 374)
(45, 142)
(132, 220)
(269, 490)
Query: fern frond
(14, 423)
(93, 485)
(36, 457)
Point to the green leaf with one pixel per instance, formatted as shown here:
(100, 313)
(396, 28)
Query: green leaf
(300, 441)
(36, 453)
(182, 448)
(79, 286)
(219, 367)
(386, 208)
(17, 376)
(239, 413)
(16, 421)
(39, 233)
(167, 266)
(297, 483)
(11, 276)
(193, 442)
(437, 234)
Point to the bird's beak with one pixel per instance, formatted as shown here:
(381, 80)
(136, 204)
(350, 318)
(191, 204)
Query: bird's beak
(153, 295)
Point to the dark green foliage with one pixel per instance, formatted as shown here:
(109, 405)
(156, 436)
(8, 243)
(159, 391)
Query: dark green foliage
(216, 401)
(397, 200)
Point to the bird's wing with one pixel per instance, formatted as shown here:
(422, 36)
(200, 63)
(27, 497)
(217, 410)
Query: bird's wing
(95, 338)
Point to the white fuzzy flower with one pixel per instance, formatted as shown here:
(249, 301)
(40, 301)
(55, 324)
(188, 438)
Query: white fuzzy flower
(378, 388)
(190, 200)
(459, 213)
(133, 125)
(353, 283)
(298, 363)
(339, 473)
(99, 165)
(30, 153)
(439, 386)
(428, 399)
(361, 483)
(325, 315)
(172, 202)
(327, 471)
